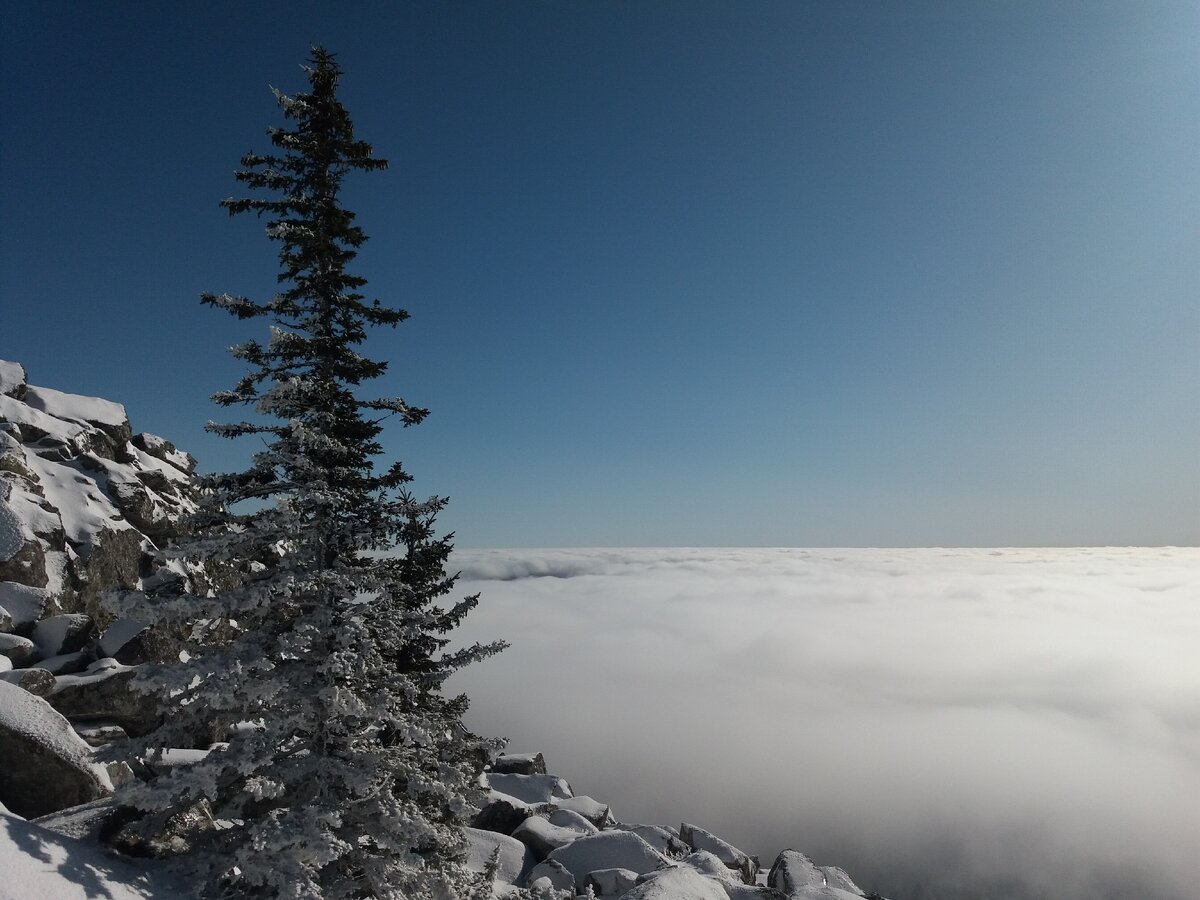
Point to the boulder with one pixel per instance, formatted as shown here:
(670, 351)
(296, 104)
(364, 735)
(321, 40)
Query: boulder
(611, 882)
(565, 818)
(699, 839)
(519, 764)
(599, 814)
(514, 859)
(21, 651)
(793, 873)
(709, 865)
(529, 788)
(100, 734)
(126, 640)
(24, 603)
(676, 883)
(36, 681)
(664, 840)
(542, 837)
(502, 815)
(46, 765)
(58, 635)
(607, 850)
(68, 663)
(553, 876)
(106, 695)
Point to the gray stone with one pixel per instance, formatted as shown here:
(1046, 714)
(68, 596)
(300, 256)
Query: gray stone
(519, 764)
(501, 816)
(611, 882)
(46, 766)
(608, 850)
(21, 651)
(556, 875)
(36, 681)
(793, 872)
(699, 839)
(106, 696)
(69, 633)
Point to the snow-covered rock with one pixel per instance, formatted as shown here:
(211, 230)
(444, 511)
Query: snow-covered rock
(665, 840)
(529, 788)
(599, 814)
(20, 651)
(677, 883)
(795, 876)
(553, 876)
(611, 882)
(105, 695)
(45, 766)
(514, 859)
(607, 850)
(699, 839)
(519, 764)
(36, 681)
(542, 837)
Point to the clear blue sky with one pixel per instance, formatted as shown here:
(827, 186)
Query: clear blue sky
(835, 273)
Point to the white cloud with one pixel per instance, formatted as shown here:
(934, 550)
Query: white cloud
(978, 716)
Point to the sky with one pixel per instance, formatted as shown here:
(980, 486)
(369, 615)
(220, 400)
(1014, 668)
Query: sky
(968, 724)
(681, 273)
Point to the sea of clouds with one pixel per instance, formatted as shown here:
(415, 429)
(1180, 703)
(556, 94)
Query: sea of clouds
(951, 724)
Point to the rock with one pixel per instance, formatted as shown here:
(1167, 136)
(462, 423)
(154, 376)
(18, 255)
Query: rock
(552, 875)
(161, 448)
(529, 788)
(12, 379)
(99, 734)
(6, 621)
(599, 814)
(676, 883)
(58, 635)
(541, 837)
(664, 840)
(21, 651)
(793, 873)
(68, 663)
(24, 604)
(120, 773)
(5, 665)
(46, 766)
(699, 839)
(708, 864)
(565, 818)
(519, 764)
(26, 565)
(114, 562)
(514, 860)
(607, 850)
(502, 816)
(126, 641)
(36, 681)
(838, 880)
(106, 696)
(611, 882)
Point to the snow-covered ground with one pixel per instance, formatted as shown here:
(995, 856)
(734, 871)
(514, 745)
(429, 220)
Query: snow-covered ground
(942, 723)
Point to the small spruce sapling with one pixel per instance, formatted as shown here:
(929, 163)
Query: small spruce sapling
(347, 772)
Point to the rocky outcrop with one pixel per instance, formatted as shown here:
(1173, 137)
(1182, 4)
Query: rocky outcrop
(84, 498)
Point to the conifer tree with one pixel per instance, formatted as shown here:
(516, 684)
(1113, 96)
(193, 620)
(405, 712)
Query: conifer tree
(347, 771)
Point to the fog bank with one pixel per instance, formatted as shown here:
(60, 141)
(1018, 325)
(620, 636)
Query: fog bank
(941, 723)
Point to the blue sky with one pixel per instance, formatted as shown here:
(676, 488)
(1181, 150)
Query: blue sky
(682, 273)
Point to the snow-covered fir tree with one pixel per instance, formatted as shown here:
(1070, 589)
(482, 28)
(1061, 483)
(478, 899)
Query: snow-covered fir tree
(347, 770)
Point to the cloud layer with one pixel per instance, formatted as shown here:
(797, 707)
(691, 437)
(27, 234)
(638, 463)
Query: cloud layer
(942, 723)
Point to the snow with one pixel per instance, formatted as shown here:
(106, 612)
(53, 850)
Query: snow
(608, 850)
(12, 376)
(39, 864)
(157, 447)
(75, 407)
(515, 857)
